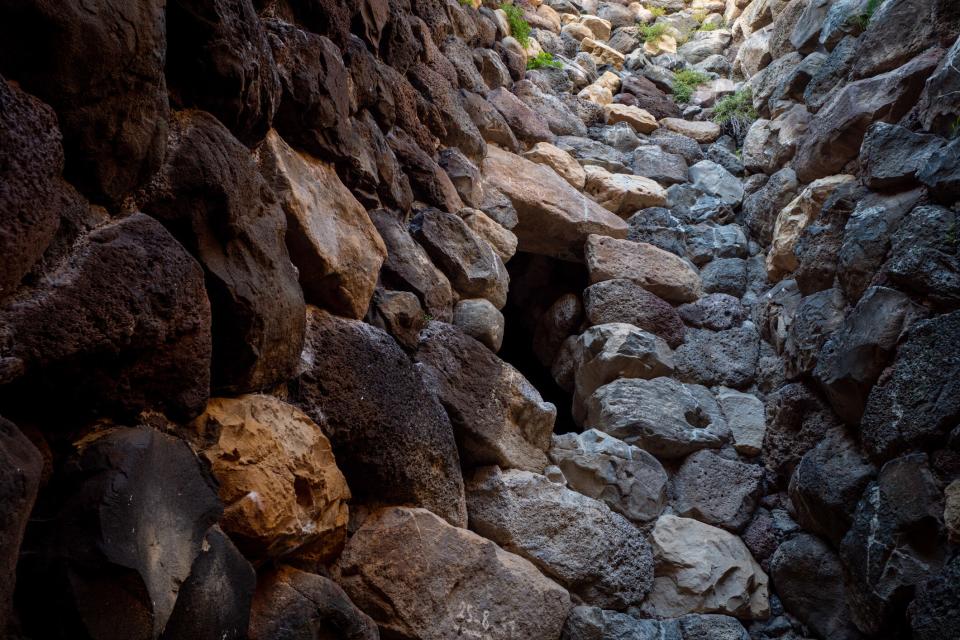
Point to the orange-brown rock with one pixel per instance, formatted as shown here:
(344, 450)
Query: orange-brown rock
(659, 272)
(278, 479)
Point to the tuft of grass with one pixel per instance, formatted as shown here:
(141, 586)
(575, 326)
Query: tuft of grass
(684, 83)
(543, 60)
(653, 32)
(709, 26)
(735, 113)
(519, 27)
(863, 19)
(955, 129)
(699, 15)
(658, 12)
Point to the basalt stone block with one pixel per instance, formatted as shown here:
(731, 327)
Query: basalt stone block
(715, 490)
(622, 300)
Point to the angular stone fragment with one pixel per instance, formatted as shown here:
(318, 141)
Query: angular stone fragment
(560, 161)
(656, 270)
(498, 416)
(277, 477)
(526, 123)
(622, 300)
(479, 319)
(705, 570)
(547, 523)
(744, 414)
(665, 417)
(726, 358)
(628, 479)
(392, 439)
(554, 218)
(893, 156)
(621, 193)
(717, 491)
(333, 244)
(640, 119)
(420, 577)
(702, 131)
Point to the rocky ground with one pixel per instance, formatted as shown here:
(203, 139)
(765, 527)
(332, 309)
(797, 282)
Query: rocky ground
(434, 319)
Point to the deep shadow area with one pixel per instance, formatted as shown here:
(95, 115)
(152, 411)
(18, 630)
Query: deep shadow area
(536, 282)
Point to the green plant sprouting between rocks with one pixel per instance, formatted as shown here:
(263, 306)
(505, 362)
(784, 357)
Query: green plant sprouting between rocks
(684, 83)
(543, 60)
(863, 19)
(658, 12)
(519, 27)
(735, 113)
(653, 32)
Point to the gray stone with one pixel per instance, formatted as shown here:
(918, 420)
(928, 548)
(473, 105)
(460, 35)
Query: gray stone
(941, 174)
(797, 420)
(830, 75)
(716, 311)
(816, 318)
(923, 257)
(711, 178)
(826, 486)
(653, 162)
(919, 402)
(854, 357)
(591, 152)
(479, 319)
(725, 275)
(628, 479)
(727, 358)
(726, 158)
(934, 613)
(715, 490)
(621, 136)
(547, 524)
(658, 226)
(665, 417)
(623, 300)
(892, 156)
(761, 207)
(678, 144)
(706, 242)
(746, 417)
(558, 116)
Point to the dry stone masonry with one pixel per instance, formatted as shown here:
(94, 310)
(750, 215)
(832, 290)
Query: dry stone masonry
(480, 319)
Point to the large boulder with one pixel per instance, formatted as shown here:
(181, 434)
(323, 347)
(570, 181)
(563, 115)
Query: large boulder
(623, 300)
(797, 420)
(621, 193)
(277, 477)
(702, 569)
(528, 125)
(31, 159)
(892, 156)
(628, 479)
(918, 403)
(331, 240)
(407, 266)
(716, 490)
(554, 218)
(665, 417)
(934, 612)
(836, 134)
(419, 577)
(547, 523)
(658, 271)
(218, 59)
(892, 38)
(498, 417)
(132, 508)
(726, 358)
(922, 261)
(295, 605)
(809, 580)
(391, 437)
(100, 65)
(21, 466)
(214, 200)
(104, 333)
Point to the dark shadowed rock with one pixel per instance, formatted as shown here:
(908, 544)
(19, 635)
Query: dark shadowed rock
(419, 577)
(107, 334)
(923, 255)
(934, 613)
(853, 358)
(213, 199)
(295, 605)
(218, 59)
(120, 535)
(761, 207)
(390, 436)
(408, 267)
(942, 174)
(827, 484)
(430, 183)
(895, 544)
(725, 275)
(497, 415)
(818, 248)
(446, 115)
(649, 97)
(727, 358)
(892, 156)
(837, 132)
(464, 175)
(716, 490)
(665, 417)
(547, 523)
(919, 402)
(817, 317)
(100, 65)
(621, 300)
(797, 420)
(892, 38)
(31, 159)
(717, 312)
(528, 125)
(809, 579)
(489, 122)
(21, 466)
(214, 602)
(474, 268)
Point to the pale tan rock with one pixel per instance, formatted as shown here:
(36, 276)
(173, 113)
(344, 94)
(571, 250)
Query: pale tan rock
(560, 161)
(602, 53)
(549, 14)
(278, 478)
(664, 44)
(609, 80)
(703, 569)
(501, 239)
(331, 240)
(702, 131)
(951, 510)
(554, 218)
(596, 94)
(793, 219)
(533, 47)
(641, 120)
(659, 272)
(419, 577)
(621, 193)
(599, 27)
(642, 14)
(576, 30)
